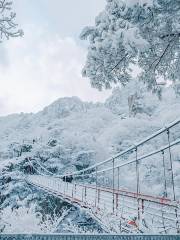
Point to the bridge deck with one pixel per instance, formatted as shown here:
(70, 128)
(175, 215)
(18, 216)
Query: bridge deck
(159, 213)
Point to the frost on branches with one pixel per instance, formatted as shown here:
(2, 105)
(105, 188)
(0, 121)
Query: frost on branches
(8, 27)
(145, 33)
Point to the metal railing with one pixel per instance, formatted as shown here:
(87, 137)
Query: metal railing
(114, 167)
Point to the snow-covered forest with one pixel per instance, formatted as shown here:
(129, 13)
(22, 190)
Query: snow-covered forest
(69, 135)
(133, 49)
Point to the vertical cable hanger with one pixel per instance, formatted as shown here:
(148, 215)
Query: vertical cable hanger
(164, 175)
(96, 188)
(113, 185)
(137, 182)
(172, 179)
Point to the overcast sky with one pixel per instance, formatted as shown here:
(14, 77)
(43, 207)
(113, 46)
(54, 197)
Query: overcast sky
(46, 63)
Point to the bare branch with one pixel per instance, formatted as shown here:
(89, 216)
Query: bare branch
(159, 59)
(118, 62)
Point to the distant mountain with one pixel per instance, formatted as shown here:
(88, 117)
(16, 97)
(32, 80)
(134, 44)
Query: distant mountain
(63, 107)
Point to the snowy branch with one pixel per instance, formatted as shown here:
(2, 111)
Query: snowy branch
(8, 27)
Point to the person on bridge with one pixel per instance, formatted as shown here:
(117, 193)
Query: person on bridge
(68, 178)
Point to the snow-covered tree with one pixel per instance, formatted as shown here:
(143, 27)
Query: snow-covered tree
(131, 100)
(8, 27)
(145, 32)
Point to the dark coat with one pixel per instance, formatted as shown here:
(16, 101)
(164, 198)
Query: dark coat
(68, 179)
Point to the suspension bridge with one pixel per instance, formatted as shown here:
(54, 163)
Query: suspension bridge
(123, 187)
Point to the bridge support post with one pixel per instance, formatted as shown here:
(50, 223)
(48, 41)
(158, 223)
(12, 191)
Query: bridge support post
(85, 193)
(103, 179)
(117, 199)
(65, 186)
(98, 196)
(96, 189)
(142, 202)
(164, 175)
(118, 177)
(74, 191)
(171, 165)
(113, 184)
(172, 180)
(137, 183)
(73, 187)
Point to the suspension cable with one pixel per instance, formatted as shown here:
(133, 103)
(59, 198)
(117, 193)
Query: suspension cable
(118, 155)
(125, 151)
(110, 168)
(140, 158)
(37, 169)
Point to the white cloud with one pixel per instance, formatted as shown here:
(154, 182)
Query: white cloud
(39, 69)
